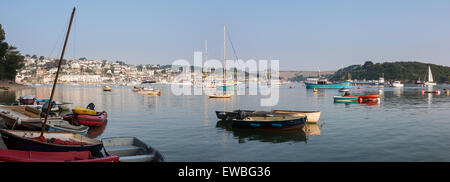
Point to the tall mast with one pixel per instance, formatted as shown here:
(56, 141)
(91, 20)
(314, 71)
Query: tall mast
(57, 73)
(206, 60)
(224, 59)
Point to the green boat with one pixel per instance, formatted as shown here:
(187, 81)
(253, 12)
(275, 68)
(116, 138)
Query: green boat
(345, 99)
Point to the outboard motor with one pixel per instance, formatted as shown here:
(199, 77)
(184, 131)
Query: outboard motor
(91, 106)
(45, 107)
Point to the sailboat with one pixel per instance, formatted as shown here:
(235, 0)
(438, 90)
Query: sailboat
(224, 86)
(430, 81)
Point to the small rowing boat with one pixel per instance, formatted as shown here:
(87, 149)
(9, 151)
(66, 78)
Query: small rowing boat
(131, 149)
(35, 156)
(345, 98)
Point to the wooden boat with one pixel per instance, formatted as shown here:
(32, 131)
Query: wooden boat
(50, 142)
(216, 96)
(270, 122)
(88, 120)
(131, 149)
(20, 116)
(54, 126)
(107, 88)
(34, 156)
(346, 98)
(311, 116)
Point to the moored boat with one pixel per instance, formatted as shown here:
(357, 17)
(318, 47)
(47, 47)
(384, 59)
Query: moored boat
(131, 149)
(7, 155)
(50, 142)
(107, 88)
(270, 122)
(219, 96)
(345, 98)
(88, 120)
(323, 83)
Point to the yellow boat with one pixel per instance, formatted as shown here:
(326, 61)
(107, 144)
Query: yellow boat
(107, 88)
(219, 96)
(83, 111)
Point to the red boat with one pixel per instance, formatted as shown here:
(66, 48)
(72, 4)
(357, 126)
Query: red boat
(365, 98)
(33, 156)
(87, 120)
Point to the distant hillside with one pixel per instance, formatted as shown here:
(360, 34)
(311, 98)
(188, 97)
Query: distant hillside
(407, 72)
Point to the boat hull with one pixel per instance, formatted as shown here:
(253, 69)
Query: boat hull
(293, 124)
(131, 149)
(334, 85)
(345, 99)
(34, 156)
(16, 142)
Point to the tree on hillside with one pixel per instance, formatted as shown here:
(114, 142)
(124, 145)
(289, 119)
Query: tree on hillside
(41, 58)
(34, 56)
(10, 59)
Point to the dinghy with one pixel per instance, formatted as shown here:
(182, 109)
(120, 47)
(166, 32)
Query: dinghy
(34, 156)
(346, 98)
(20, 116)
(50, 142)
(88, 120)
(131, 149)
(311, 116)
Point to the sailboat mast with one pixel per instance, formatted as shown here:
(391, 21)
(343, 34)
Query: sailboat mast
(57, 73)
(224, 58)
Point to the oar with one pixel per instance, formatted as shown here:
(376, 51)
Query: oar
(57, 73)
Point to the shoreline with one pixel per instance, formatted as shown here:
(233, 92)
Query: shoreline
(11, 85)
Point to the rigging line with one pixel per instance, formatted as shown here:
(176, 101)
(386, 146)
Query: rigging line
(232, 46)
(58, 43)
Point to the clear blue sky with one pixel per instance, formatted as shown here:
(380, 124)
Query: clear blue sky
(303, 35)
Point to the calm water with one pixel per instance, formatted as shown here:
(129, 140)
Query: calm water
(405, 126)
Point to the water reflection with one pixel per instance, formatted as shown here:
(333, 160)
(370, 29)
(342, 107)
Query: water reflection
(312, 129)
(245, 135)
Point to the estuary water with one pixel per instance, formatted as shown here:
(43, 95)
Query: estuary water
(405, 126)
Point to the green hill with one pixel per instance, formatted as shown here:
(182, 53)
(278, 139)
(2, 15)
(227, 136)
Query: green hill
(407, 72)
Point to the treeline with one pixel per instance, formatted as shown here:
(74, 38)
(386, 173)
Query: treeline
(10, 59)
(407, 72)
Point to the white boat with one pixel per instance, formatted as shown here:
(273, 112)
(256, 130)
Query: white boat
(131, 149)
(397, 84)
(430, 81)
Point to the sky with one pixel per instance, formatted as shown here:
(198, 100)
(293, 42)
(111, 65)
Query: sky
(302, 35)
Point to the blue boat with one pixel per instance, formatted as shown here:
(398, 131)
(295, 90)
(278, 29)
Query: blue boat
(276, 122)
(345, 99)
(328, 85)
